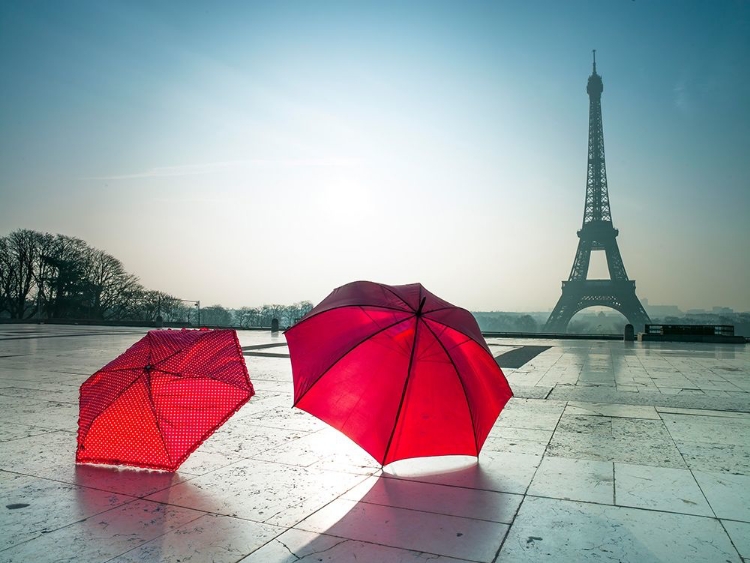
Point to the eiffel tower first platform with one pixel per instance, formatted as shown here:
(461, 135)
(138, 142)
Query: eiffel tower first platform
(597, 233)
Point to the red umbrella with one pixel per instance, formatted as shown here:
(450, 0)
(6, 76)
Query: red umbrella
(398, 370)
(156, 403)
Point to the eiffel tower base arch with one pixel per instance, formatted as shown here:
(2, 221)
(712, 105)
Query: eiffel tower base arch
(581, 294)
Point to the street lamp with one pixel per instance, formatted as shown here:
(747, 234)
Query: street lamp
(197, 304)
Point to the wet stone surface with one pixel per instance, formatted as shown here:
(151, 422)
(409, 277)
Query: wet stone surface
(610, 451)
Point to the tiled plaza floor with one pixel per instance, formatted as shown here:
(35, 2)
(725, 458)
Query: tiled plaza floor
(610, 451)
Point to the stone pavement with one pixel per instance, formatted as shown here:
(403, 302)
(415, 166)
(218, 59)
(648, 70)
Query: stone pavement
(610, 451)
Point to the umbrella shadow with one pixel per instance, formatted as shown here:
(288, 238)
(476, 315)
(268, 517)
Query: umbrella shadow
(115, 498)
(128, 481)
(416, 506)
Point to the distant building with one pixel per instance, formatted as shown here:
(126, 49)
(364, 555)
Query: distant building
(661, 311)
(690, 312)
(722, 311)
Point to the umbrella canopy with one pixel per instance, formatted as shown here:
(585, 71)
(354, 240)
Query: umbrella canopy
(156, 403)
(398, 370)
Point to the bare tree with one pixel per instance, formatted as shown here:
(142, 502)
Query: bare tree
(18, 253)
(216, 315)
(108, 282)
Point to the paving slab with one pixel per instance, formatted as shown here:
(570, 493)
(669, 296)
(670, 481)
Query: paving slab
(609, 451)
(559, 530)
(659, 488)
(300, 546)
(574, 479)
(464, 538)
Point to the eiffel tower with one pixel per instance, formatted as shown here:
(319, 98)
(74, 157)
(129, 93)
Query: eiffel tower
(597, 233)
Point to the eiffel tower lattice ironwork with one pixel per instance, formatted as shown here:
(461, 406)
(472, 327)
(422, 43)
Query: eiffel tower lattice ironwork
(597, 233)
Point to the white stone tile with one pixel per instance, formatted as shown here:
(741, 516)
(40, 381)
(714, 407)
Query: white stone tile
(465, 538)
(703, 412)
(39, 506)
(708, 429)
(43, 455)
(574, 479)
(521, 434)
(628, 440)
(201, 462)
(10, 431)
(501, 472)
(261, 491)
(531, 413)
(508, 445)
(728, 495)
(659, 488)
(326, 449)
(441, 499)
(248, 440)
(219, 539)
(605, 409)
(566, 531)
(718, 458)
(299, 546)
(585, 424)
(740, 534)
(45, 414)
(284, 416)
(103, 536)
(124, 480)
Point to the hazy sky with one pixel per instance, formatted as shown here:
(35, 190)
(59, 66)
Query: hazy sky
(257, 152)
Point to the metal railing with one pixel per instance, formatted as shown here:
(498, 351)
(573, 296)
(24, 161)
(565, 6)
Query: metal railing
(693, 330)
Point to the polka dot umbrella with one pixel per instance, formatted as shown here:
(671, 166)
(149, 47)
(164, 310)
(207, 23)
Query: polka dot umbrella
(156, 403)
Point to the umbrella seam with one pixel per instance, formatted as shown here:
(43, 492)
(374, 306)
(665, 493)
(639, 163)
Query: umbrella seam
(482, 346)
(406, 386)
(388, 288)
(460, 379)
(153, 407)
(156, 422)
(349, 351)
(120, 394)
(210, 433)
(353, 305)
(201, 337)
(149, 361)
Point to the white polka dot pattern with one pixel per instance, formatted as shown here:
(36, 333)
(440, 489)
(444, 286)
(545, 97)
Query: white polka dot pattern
(155, 404)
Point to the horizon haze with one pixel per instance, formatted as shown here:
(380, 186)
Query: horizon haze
(270, 152)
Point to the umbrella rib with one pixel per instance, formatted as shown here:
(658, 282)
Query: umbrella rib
(482, 346)
(212, 378)
(149, 361)
(152, 406)
(403, 392)
(329, 368)
(204, 376)
(460, 379)
(120, 395)
(442, 309)
(156, 421)
(401, 298)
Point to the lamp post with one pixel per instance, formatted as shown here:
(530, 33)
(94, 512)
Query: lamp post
(198, 306)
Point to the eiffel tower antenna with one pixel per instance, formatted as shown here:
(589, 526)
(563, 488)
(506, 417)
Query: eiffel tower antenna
(597, 233)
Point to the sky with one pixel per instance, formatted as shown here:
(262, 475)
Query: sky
(244, 153)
